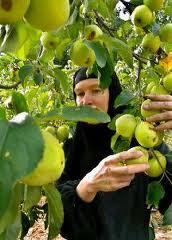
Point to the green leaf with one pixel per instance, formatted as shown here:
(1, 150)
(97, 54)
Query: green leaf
(106, 73)
(155, 193)
(113, 140)
(123, 50)
(2, 113)
(99, 50)
(120, 145)
(82, 114)
(21, 148)
(19, 102)
(32, 196)
(13, 230)
(151, 233)
(55, 210)
(37, 78)
(168, 10)
(63, 78)
(167, 219)
(12, 211)
(123, 98)
(25, 71)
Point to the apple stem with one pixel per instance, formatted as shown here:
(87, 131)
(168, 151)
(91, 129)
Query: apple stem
(153, 153)
(168, 178)
(164, 172)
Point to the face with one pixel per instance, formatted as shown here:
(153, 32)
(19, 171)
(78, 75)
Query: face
(88, 92)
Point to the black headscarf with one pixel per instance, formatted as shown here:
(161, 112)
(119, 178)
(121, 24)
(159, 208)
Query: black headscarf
(91, 143)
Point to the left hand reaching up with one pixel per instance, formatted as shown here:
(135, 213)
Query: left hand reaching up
(164, 104)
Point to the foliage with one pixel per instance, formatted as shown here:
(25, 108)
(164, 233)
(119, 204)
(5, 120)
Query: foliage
(36, 92)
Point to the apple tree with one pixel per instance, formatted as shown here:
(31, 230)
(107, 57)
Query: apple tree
(42, 44)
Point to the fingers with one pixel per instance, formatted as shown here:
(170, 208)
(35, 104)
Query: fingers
(130, 169)
(159, 97)
(160, 117)
(164, 126)
(165, 105)
(122, 156)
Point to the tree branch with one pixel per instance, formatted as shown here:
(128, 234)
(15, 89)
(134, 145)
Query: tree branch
(101, 23)
(10, 86)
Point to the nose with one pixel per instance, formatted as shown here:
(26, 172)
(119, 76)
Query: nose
(87, 99)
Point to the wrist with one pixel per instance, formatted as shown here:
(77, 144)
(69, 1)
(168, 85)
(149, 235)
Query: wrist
(85, 190)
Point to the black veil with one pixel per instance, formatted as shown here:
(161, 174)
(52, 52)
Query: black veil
(90, 143)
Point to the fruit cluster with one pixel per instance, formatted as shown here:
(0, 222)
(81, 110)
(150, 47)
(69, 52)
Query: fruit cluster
(144, 15)
(129, 126)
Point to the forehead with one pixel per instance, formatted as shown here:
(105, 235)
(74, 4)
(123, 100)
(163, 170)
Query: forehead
(87, 83)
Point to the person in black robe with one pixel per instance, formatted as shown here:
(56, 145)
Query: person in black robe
(117, 210)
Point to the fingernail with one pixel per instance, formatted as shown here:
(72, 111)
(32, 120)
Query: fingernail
(146, 106)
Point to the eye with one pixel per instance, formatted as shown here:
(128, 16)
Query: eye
(80, 94)
(96, 91)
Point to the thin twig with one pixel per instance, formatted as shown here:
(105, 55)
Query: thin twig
(10, 86)
(101, 23)
(138, 78)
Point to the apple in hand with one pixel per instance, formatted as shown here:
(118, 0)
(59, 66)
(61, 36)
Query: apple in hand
(157, 164)
(147, 113)
(151, 43)
(167, 82)
(159, 90)
(142, 159)
(142, 16)
(149, 87)
(145, 134)
(125, 125)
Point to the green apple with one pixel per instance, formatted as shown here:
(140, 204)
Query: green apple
(49, 41)
(147, 113)
(142, 159)
(165, 33)
(151, 42)
(81, 55)
(142, 16)
(157, 164)
(92, 32)
(48, 15)
(125, 125)
(51, 130)
(167, 82)
(149, 87)
(145, 134)
(12, 11)
(159, 90)
(160, 136)
(154, 4)
(62, 133)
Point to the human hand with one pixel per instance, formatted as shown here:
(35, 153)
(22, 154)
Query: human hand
(164, 104)
(109, 175)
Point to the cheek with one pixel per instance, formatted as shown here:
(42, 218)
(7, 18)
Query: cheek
(78, 101)
(103, 103)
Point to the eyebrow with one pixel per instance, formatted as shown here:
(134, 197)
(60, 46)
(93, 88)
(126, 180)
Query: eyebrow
(91, 86)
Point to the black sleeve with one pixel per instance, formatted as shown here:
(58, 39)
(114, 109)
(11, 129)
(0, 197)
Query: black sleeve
(80, 221)
(166, 182)
(79, 217)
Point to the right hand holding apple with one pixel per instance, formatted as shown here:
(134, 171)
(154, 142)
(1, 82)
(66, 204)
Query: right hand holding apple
(110, 175)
